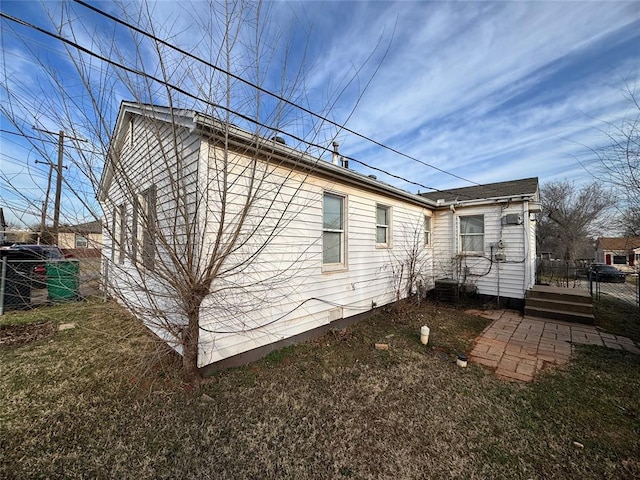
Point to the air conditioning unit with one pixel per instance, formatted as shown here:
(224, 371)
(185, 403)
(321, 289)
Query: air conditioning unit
(512, 219)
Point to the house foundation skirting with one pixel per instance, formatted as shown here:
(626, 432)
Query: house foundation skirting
(504, 302)
(260, 352)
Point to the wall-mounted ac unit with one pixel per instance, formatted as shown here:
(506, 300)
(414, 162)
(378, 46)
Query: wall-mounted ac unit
(512, 219)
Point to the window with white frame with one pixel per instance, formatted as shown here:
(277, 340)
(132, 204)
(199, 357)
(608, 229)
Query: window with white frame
(144, 227)
(81, 241)
(427, 230)
(333, 223)
(619, 260)
(472, 234)
(119, 234)
(383, 225)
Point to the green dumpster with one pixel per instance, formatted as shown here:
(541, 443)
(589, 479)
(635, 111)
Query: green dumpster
(63, 279)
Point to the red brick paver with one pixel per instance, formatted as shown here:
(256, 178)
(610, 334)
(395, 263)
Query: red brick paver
(519, 347)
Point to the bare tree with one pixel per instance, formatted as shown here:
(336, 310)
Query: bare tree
(571, 218)
(619, 165)
(409, 258)
(183, 241)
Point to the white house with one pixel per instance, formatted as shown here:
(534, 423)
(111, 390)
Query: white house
(484, 236)
(618, 251)
(83, 238)
(298, 245)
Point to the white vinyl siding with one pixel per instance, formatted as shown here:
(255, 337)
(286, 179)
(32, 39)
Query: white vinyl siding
(510, 278)
(296, 295)
(472, 234)
(383, 226)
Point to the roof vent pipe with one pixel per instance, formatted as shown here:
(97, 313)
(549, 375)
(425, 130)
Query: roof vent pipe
(336, 158)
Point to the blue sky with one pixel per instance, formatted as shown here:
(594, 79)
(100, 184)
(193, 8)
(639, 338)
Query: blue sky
(486, 91)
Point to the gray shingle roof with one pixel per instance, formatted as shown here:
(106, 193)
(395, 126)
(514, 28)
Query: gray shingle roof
(525, 186)
(618, 243)
(87, 227)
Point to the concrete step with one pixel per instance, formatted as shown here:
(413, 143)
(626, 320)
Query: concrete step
(563, 315)
(572, 295)
(560, 305)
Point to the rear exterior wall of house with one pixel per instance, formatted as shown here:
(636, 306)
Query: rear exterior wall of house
(476, 246)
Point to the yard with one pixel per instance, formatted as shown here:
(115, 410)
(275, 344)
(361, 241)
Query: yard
(100, 400)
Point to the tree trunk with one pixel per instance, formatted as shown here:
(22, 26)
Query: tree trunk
(190, 339)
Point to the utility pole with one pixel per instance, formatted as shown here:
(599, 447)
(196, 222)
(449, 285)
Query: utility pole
(45, 203)
(56, 208)
(56, 211)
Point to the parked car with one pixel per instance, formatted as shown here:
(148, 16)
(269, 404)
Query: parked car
(44, 252)
(605, 273)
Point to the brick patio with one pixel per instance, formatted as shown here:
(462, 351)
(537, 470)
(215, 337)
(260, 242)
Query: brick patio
(519, 347)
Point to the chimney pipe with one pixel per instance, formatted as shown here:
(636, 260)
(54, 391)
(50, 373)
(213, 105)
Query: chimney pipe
(336, 157)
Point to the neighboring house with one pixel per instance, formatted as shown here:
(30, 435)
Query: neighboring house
(82, 239)
(334, 245)
(618, 251)
(3, 228)
(484, 236)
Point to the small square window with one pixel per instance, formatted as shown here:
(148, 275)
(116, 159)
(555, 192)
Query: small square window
(81, 241)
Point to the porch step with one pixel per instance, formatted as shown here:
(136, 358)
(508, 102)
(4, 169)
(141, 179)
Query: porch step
(557, 303)
(564, 315)
(560, 304)
(573, 295)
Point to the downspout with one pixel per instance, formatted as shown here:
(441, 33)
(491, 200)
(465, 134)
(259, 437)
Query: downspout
(526, 223)
(498, 266)
(454, 243)
(499, 261)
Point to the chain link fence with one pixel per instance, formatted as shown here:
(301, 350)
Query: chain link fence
(26, 282)
(627, 292)
(570, 274)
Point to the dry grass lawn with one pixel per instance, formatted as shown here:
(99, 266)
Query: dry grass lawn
(101, 401)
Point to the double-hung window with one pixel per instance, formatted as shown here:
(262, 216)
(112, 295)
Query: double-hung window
(472, 234)
(147, 228)
(144, 227)
(427, 230)
(333, 230)
(383, 226)
(119, 234)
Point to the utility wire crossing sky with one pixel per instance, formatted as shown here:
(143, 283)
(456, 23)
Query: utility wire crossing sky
(482, 91)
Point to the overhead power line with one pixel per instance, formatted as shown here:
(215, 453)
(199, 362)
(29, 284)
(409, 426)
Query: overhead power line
(231, 111)
(268, 92)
